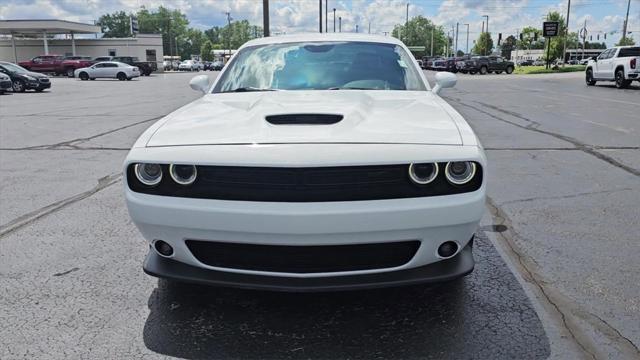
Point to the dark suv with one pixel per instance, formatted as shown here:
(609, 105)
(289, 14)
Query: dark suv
(486, 64)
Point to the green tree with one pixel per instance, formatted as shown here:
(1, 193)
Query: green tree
(417, 32)
(172, 24)
(531, 39)
(206, 51)
(484, 44)
(115, 25)
(508, 45)
(192, 43)
(627, 41)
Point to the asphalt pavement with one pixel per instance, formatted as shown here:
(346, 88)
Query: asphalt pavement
(556, 272)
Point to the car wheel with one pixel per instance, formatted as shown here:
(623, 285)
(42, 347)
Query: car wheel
(483, 70)
(70, 72)
(621, 83)
(509, 69)
(83, 76)
(92, 79)
(121, 76)
(129, 79)
(18, 86)
(589, 78)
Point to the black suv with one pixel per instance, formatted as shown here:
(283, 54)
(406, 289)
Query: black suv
(486, 64)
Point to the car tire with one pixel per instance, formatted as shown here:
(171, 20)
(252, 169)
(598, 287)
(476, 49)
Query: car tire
(69, 72)
(621, 83)
(92, 79)
(509, 69)
(483, 70)
(18, 86)
(39, 90)
(83, 76)
(589, 78)
(121, 76)
(129, 79)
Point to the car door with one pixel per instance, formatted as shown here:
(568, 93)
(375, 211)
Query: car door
(602, 64)
(110, 70)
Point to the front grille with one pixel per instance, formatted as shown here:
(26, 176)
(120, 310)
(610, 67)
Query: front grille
(44, 80)
(313, 184)
(303, 259)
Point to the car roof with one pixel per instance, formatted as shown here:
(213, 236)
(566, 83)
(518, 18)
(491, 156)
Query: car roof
(311, 37)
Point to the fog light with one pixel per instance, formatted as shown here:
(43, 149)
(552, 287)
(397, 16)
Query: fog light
(447, 249)
(163, 248)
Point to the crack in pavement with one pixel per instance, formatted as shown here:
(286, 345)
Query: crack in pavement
(565, 307)
(581, 146)
(73, 143)
(564, 196)
(32, 216)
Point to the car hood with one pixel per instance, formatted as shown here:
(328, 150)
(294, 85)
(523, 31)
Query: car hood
(406, 117)
(33, 74)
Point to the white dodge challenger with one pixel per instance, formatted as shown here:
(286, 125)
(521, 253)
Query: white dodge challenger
(312, 163)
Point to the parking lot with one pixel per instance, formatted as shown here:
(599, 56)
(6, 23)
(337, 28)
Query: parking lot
(556, 273)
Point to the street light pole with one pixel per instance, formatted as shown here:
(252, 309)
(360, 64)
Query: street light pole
(339, 23)
(467, 39)
(356, 28)
(566, 34)
(487, 16)
(626, 23)
(265, 18)
(326, 15)
(455, 51)
(320, 16)
(334, 19)
(406, 23)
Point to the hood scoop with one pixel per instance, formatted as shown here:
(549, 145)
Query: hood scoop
(304, 119)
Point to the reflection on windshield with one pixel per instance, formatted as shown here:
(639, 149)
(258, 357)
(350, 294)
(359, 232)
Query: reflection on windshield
(321, 66)
(14, 68)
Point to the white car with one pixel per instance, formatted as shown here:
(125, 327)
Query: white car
(620, 64)
(350, 173)
(108, 69)
(189, 65)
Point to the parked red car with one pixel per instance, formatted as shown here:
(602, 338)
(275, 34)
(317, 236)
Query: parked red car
(71, 63)
(43, 63)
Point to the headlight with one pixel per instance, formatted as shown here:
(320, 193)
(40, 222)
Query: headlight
(149, 174)
(460, 172)
(183, 174)
(423, 173)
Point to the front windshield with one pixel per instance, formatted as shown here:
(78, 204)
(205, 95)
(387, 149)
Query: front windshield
(321, 66)
(14, 68)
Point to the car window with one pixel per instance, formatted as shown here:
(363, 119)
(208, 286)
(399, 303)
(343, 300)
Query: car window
(111, 65)
(499, 60)
(321, 66)
(603, 55)
(98, 65)
(626, 52)
(37, 59)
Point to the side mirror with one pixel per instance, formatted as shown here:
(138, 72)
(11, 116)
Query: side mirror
(200, 83)
(444, 80)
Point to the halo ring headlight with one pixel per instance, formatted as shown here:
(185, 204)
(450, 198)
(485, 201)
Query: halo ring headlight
(460, 172)
(148, 174)
(423, 173)
(183, 174)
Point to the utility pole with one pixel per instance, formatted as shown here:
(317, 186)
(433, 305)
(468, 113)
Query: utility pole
(356, 28)
(626, 23)
(566, 34)
(334, 19)
(326, 15)
(339, 23)
(467, 39)
(320, 16)
(481, 32)
(456, 49)
(406, 23)
(229, 32)
(265, 17)
(432, 31)
(369, 26)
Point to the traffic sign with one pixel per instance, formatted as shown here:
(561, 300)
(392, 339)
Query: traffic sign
(550, 28)
(134, 24)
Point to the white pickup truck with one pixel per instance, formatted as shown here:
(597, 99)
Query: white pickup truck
(620, 64)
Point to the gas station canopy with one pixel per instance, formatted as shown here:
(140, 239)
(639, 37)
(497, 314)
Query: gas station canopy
(40, 27)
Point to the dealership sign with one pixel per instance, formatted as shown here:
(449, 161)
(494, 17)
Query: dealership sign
(550, 28)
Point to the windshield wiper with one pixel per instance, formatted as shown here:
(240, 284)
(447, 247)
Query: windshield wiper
(248, 89)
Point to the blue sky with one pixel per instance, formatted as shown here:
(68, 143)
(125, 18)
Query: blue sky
(291, 16)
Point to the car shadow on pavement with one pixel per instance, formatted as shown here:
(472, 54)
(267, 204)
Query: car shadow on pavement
(485, 315)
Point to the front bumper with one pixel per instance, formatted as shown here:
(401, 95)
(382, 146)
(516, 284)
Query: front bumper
(6, 85)
(446, 270)
(37, 85)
